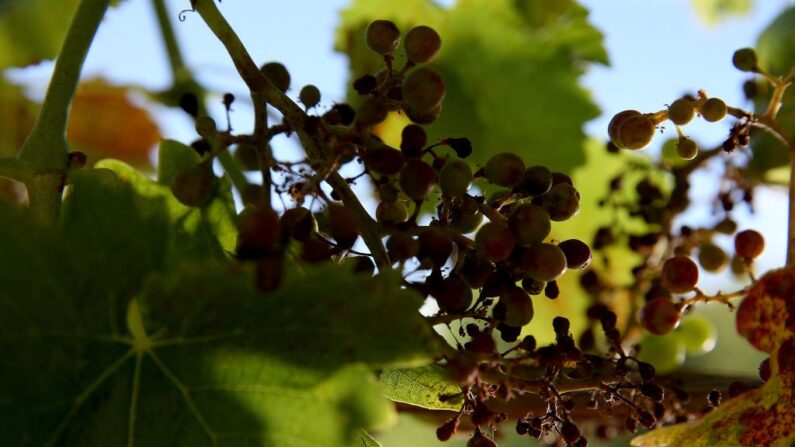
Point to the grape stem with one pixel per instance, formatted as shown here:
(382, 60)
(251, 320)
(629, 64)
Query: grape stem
(45, 151)
(724, 298)
(258, 84)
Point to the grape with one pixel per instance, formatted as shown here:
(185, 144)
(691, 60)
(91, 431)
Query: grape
(314, 251)
(372, 112)
(465, 222)
(681, 111)
(189, 103)
(269, 272)
(342, 226)
(391, 213)
(422, 44)
(478, 440)
(367, 83)
(495, 241)
(475, 269)
(435, 244)
(537, 181)
(679, 274)
(698, 334)
(630, 129)
(194, 186)
(712, 258)
(569, 432)
(562, 202)
(246, 156)
(423, 90)
(340, 114)
(578, 254)
(517, 306)
(504, 169)
(666, 352)
(461, 146)
(551, 290)
(277, 74)
(533, 286)
(749, 244)
(205, 126)
(544, 262)
(413, 139)
(454, 177)
(420, 117)
(453, 295)
(530, 223)
(417, 179)
(660, 316)
(309, 96)
(744, 59)
(713, 110)
(402, 246)
(259, 233)
(686, 148)
(616, 122)
(298, 223)
(382, 36)
(384, 160)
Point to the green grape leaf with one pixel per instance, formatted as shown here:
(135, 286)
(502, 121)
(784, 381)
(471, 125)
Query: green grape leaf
(776, 52)
(365, 440)
(206, 231)
(506, 82)
(33, 30)
(425, 386)
(194, 357)
(712, 12)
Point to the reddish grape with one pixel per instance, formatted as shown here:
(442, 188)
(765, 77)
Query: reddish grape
(578, 254)
(422, 44)
(504, 169)
(749, 244)
(417, 179)
(495, 241)
(423, 90)
(382, 36)
(530, 223)
(660, 316)
(544, 262)
(679, 274)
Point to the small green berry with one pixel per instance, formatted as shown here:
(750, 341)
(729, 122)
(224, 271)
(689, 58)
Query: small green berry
(744, 59)
(687, 148)
(681, 111)
(309, 96)
(713, 110)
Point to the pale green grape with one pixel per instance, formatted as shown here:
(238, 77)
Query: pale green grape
(698, 335)
(665, 352)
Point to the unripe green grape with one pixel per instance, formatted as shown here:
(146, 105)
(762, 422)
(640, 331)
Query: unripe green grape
(382, 36)
(744, 59)
(384, 160)
(277, 74)
(713, 110)
(666, 352)
(495, 241)
(205, 126)
(412, 140)
(372, 112)
(686, 148)
(402, 246)
(749, 244)
(309, 96)
(635, 132)
(422, 44)
(578, 254)
(246, 156)
(423, 90)
(453, 295)
(530, 223)
(562, 202)
(454, 177)
(698, 335)
(679, 274)
(660, 316)
(419, 117)
(712, 258)
(391, 212)
(504, 169)
(517, 305)
(194, 185)
(681, 111)
(417, 179)
(544, 262)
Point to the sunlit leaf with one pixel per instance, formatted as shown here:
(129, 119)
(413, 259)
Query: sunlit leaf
(713, 11)
(426, 386)
(32, 30)
(507, 83)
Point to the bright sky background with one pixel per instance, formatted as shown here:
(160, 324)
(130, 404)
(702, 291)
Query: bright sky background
(659, 49)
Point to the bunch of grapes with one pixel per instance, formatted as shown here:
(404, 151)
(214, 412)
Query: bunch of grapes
(477, 240)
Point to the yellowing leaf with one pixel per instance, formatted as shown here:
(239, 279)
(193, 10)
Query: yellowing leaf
(105, 123)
